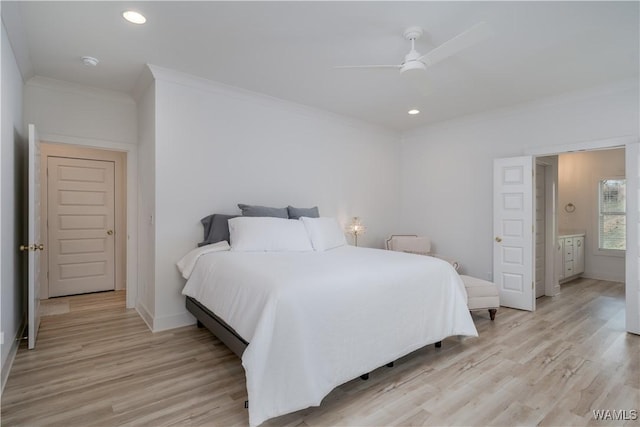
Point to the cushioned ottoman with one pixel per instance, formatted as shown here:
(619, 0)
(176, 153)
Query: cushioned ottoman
(482, 295)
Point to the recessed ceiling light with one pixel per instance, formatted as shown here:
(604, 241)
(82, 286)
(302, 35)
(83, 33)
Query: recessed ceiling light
(90, 61)
(413, 112)
(134, 17)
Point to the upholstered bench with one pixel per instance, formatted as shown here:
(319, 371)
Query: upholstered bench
(482, 295)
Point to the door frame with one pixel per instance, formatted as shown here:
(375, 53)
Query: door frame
(543, 173)
(631, 145)
(551, 282)
(52, 149)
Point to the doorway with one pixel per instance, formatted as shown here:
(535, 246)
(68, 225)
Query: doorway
(573, 246)
(591, 214)
(632, 172)
(513, 261)
(84, 220)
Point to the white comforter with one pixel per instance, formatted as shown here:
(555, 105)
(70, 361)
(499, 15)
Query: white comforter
(315, 320)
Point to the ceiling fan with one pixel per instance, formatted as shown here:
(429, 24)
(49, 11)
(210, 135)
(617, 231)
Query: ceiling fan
(414, 60)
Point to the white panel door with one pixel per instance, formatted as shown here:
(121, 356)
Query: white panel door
(81, 218)
(33, 247)
(513, 263)
(632, 254)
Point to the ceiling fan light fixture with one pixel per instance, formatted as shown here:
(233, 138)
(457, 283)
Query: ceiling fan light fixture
(413, 112)
(134, 17)
(412, 66)
(90, 61)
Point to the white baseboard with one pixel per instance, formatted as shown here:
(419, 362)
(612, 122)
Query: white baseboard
(174, 321)
(157, 324)
(146, 316)
(608, 278)
(6, 368)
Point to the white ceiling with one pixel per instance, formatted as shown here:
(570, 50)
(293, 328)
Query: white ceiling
(288, 50)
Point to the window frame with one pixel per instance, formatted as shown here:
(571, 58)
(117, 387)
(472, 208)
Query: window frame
(599, 213)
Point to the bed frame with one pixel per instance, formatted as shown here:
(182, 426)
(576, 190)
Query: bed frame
(217, 326)
(227, 334)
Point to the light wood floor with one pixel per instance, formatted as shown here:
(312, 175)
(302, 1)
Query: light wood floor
(98, 364)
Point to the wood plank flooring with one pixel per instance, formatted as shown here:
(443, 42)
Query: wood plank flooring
(97, 364)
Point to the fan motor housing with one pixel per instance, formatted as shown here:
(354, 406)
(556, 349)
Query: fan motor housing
(413, 65)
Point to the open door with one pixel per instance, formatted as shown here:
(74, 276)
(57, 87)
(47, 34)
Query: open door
(513, 263)
(632, 254)
(34, 246)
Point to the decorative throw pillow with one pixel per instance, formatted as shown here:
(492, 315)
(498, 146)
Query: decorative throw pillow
(325, 233)
(255, 210)
(216, 228)
(296, 213)
(265, 234)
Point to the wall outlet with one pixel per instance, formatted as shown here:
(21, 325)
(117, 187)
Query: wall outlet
(490, 276)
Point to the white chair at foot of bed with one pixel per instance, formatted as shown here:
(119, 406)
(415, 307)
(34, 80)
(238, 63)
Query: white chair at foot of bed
(414, 244)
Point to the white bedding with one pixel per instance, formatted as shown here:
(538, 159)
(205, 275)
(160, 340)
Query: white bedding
(188, 262)
(315, 320)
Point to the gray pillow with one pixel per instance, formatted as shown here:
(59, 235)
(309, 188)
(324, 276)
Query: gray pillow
(296, 213)
(216, 228)
(254, 210)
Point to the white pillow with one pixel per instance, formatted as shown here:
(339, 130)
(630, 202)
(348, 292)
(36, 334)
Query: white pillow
(325, 233)
(266, 234)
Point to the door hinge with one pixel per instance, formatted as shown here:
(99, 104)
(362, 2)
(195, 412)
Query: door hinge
(533, 285)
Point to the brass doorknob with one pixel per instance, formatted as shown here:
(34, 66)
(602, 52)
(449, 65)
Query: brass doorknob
(38, 247)
(498, 239)
(109, 232)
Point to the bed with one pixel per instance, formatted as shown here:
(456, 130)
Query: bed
(304, 322)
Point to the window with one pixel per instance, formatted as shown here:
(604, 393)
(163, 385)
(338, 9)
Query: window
(612, 215)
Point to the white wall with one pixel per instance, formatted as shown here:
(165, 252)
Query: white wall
(12, 158)
(146, 204)
(578, 177)
(60, 109)
(217, 146)
(447, 168)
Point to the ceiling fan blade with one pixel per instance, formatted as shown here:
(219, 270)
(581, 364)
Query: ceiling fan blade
(397, 67)
(479, 32)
